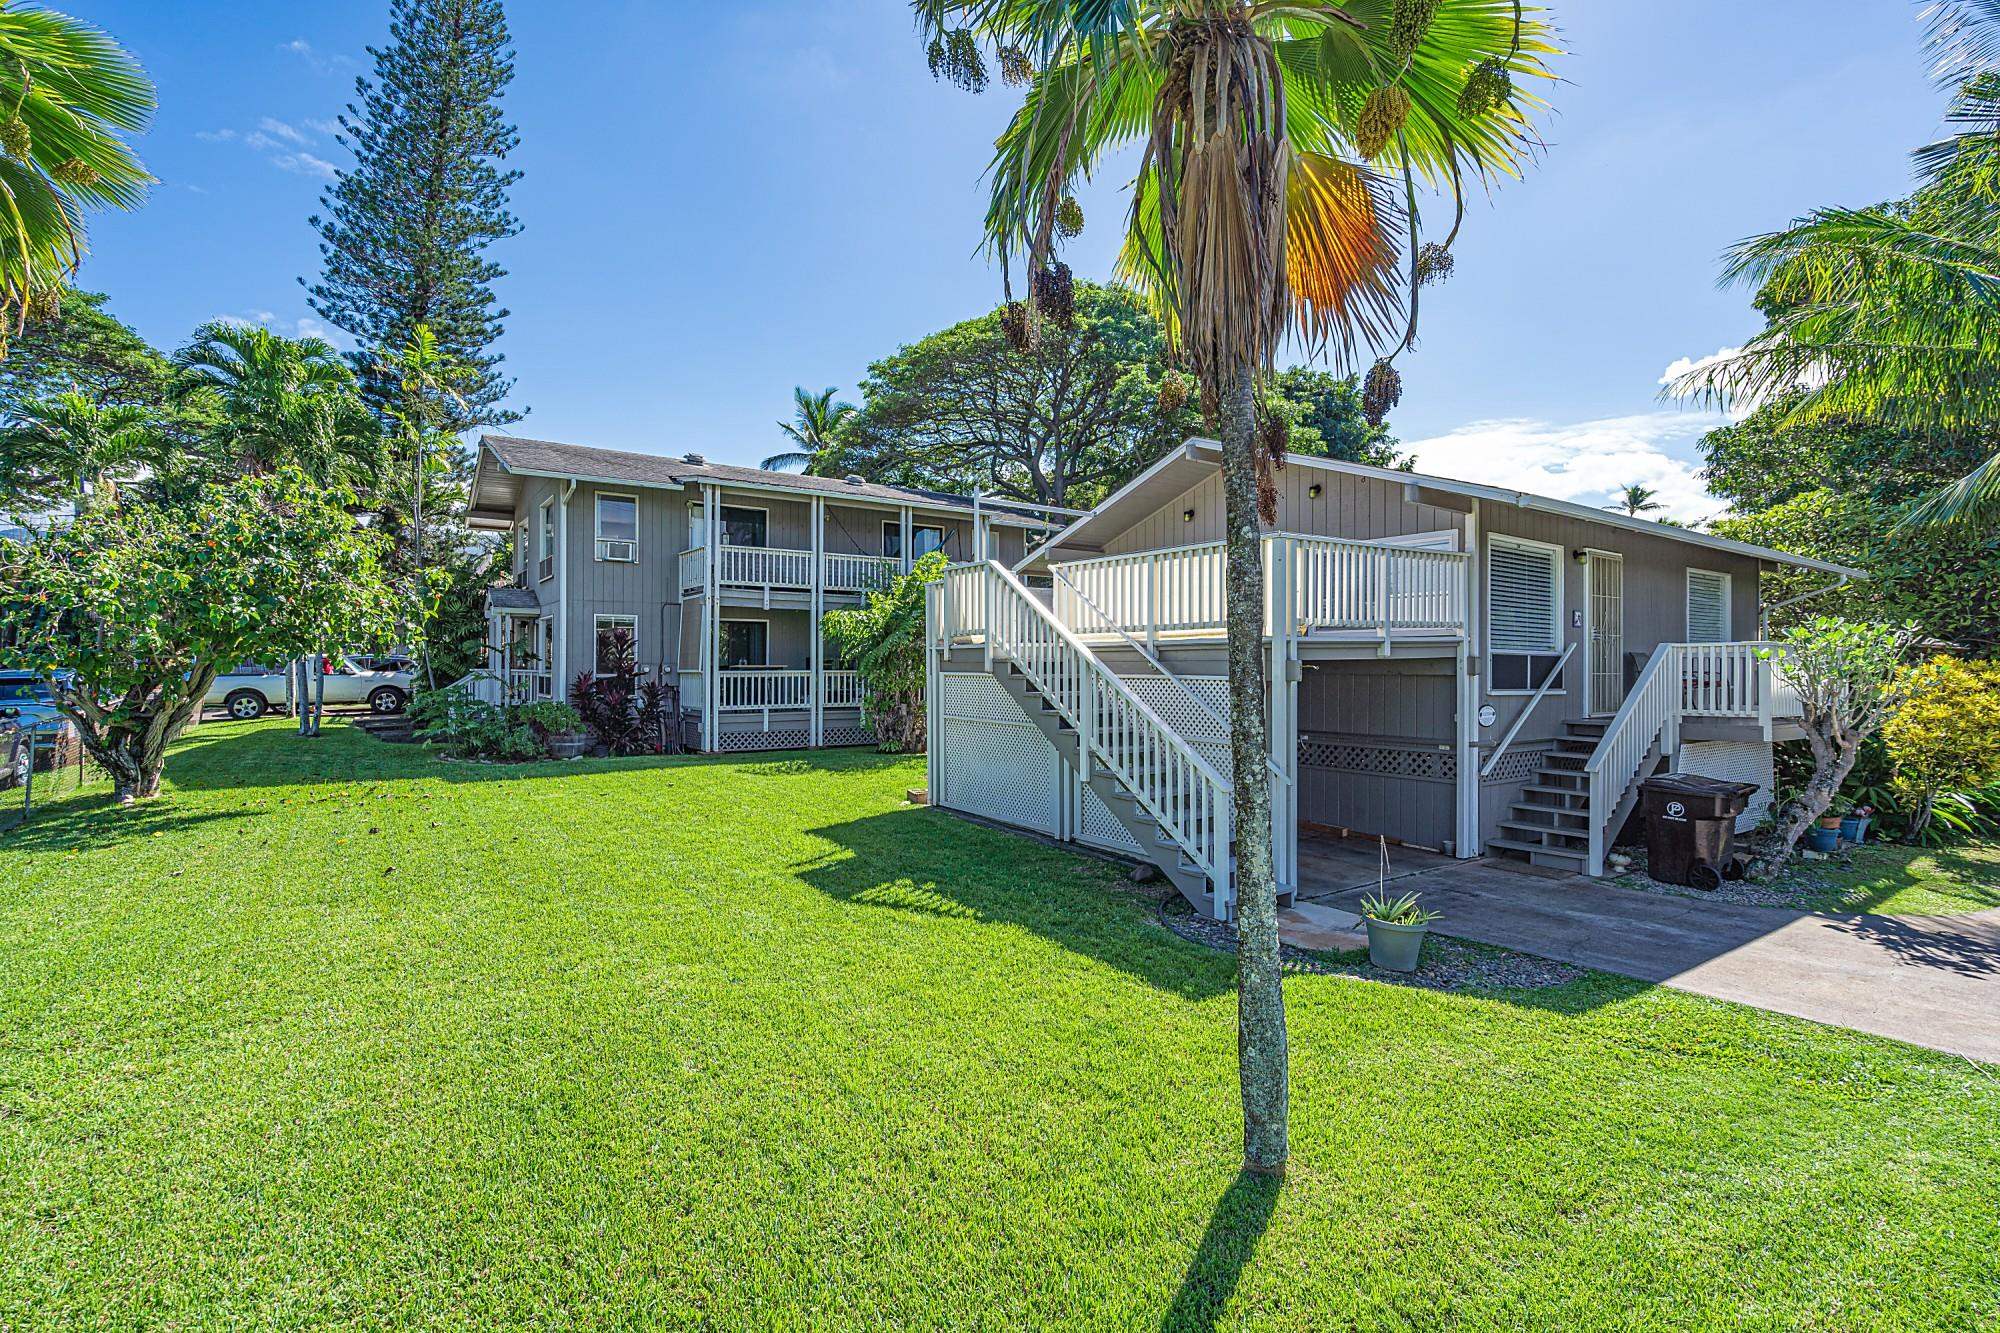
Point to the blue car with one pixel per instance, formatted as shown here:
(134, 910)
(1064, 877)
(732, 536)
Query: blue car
(25, 700)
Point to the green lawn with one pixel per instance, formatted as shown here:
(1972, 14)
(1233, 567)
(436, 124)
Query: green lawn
(338, 1033)
(1904, 881)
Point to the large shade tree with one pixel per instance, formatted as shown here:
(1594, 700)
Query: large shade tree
(1891, 314)
(1283, 145)
(130, 612)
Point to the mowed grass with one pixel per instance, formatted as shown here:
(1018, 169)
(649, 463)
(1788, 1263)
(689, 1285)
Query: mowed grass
(1907, 881)
(337, 1033)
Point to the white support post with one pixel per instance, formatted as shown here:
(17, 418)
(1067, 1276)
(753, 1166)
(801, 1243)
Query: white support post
(932, 700)
(712, 623)
(559, 627)
(818, 723)
(1382, 592)
(978, 526)
(1468, 699)
(904, 545)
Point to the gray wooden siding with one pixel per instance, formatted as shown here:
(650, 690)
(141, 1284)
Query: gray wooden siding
(1361, 508)
(1375, 748)
(644, 590)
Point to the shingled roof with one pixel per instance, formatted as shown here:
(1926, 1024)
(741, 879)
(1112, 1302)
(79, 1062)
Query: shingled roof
(548, 458)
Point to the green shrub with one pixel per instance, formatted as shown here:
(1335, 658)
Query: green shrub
(455, 722)
(885, 641)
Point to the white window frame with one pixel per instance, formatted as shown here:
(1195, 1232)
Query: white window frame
(521, 548)
(545, 550)
(1728, 604)
(1559, 634)
(597, 514)
(722, 633)
(893, 528)
(598, 624)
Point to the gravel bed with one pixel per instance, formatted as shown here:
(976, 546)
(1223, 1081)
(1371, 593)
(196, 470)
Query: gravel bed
(1802, 883)
(1447, 964)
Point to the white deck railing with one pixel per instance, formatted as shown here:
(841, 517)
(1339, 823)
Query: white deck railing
(1681, 680)
(761, 689)
(1179, 789)
(782, 567)
(1336, 585)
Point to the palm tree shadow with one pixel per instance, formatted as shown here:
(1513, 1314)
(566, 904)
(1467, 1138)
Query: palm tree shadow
(1239, 1221)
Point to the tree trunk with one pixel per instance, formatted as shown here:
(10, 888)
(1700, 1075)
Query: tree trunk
(1833, 760)
(1260, 998)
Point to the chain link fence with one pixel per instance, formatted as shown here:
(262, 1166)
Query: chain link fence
(39, 766)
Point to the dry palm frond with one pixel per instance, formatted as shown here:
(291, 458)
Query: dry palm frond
(1339, 224)
(1219, 162)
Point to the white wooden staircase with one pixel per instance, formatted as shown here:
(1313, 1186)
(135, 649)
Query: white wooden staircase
(1169, 798)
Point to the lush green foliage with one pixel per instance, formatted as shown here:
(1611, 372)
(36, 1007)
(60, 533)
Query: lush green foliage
(407, 227)
(468, 728)
(146, 603)
(884, 641)
(280, 402)
(67, 94)
(1887, 314)
(1838, 491)
(70, 344)
(624, 715)
(1945, 735)
(368, 1039)
(1850, 678)
(70, 449)
(1069, 420)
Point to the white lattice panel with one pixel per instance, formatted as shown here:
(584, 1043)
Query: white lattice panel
(778, 738)
(1102, 829)
(996, 763)
(1734, 761)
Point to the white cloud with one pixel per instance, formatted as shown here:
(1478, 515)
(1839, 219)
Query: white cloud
(305, 326)
(323, 63)
(271, 125)
(1687, 365)
(1585, 461)
(280, 143)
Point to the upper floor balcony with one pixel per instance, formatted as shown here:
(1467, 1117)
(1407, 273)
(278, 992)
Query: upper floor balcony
(772, 568)
(1314, 587)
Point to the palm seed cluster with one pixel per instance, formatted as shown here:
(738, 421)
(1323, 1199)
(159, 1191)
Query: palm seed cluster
(1381, 116)
(1486, 88)
(954, 56)
(1434, 263)
(1382, 390)
(1408, 23)
(1069, 218)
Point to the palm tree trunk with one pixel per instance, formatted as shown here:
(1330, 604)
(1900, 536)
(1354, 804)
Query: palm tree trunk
(1260, 998)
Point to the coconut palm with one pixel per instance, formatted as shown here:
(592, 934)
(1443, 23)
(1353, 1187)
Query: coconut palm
(1892, 313)
(67, 91)
(1282, 147)
(281, 401)
(1636, 499)
(70, 448)
(816, 426)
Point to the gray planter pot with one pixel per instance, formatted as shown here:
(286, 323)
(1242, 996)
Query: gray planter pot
(1395, 948)
(568, 744)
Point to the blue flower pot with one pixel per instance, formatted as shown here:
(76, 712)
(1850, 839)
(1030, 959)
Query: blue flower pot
(1824, 839)
(1854, 828)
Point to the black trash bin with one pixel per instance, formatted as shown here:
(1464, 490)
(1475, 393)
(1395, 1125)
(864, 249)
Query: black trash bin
(1691, 827)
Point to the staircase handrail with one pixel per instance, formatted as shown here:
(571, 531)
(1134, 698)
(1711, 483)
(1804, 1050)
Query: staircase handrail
(1651, 711)
(1521, 718)
(1075, 688)
(1138, 645)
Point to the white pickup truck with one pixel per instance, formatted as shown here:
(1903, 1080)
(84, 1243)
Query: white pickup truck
(251, 691)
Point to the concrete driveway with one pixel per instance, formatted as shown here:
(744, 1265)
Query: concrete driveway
(1932, 981)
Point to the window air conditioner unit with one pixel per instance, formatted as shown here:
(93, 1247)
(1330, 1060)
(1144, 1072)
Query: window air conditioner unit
(621, 552)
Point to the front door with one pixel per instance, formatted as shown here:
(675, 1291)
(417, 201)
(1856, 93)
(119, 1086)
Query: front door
(1604, 602)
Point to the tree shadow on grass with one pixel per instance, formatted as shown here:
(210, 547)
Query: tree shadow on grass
(1238, 1223)
(85, 823)
(931, 863)
(1881, 871)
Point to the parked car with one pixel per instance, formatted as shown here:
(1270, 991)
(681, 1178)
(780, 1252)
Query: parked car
(252, 690)
(26, 706)
(15, 752)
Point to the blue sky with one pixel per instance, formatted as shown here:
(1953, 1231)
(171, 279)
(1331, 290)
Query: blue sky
(723, 201)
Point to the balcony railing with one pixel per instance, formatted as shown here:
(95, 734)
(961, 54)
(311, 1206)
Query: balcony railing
(772, 689)
(1336, 585)
(781, 567)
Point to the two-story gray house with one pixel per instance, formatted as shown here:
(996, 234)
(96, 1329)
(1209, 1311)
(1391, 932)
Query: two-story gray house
(1459, 667)
(720, 574)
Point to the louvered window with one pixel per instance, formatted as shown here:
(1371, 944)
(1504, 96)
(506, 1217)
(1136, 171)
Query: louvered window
(1707, 606)
(1523, 613)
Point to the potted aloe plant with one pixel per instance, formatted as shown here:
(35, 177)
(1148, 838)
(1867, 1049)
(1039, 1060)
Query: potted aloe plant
(1396, 929)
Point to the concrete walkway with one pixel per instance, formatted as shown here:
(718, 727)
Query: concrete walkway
(1933, 981)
